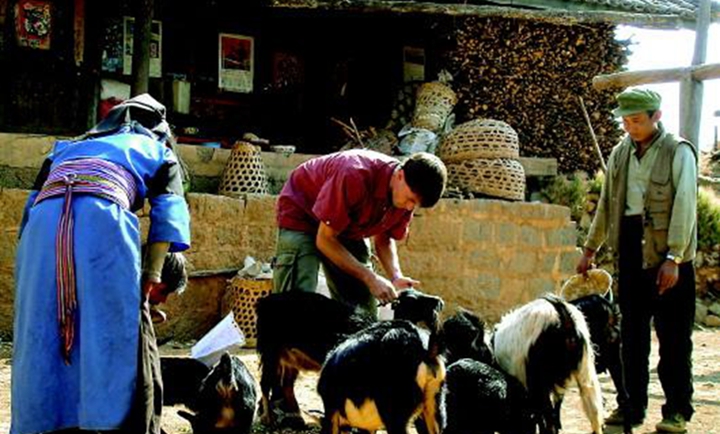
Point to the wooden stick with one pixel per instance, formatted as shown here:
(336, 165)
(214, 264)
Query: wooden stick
(345, 127)
(208, 273)
(357, 133)
(592, 133)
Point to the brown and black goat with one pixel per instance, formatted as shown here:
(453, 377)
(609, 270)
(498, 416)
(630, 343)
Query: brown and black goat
(382, 378)
(296, 330)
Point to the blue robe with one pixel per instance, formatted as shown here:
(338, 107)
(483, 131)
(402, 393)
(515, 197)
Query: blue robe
(96, 391)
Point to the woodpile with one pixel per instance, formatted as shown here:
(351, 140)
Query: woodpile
(530, 74)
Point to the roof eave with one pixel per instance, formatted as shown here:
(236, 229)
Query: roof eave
(556, 16)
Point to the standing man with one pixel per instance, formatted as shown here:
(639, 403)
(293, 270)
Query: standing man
(647, 216)
(331, 205)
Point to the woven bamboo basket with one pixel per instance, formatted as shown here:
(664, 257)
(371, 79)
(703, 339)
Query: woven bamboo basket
(244, 172)
(597, 281)
(480, 138)
(434, 103)
(501, 177)
(241, 296)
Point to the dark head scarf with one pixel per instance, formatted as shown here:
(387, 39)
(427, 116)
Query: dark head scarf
(142, 109)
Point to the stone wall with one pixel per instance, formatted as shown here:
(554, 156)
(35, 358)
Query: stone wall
(22, 155)
(485, 255)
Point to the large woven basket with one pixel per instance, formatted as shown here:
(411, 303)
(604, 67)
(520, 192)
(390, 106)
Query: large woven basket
(480, 138)
(434, 103)
(241, 296)
(501, 177)
(244, 172)
(597, 281)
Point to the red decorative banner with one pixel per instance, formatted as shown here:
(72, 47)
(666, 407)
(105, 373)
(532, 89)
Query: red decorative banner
(33, 23)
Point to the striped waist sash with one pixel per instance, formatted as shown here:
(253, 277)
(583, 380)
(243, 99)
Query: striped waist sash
(85, 176)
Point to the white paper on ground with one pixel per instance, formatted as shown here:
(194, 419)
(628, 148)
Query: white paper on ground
(225, 336)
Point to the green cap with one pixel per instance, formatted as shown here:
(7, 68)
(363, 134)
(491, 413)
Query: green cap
(634, 101)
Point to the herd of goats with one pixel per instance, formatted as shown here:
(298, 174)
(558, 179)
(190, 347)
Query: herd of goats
(451, 376)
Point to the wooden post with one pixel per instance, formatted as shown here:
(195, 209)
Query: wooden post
(691, 90)
(141, 46)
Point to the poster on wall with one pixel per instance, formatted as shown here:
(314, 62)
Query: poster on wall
(236, 63)
(33, 23)
(413, 64)
(155, 47)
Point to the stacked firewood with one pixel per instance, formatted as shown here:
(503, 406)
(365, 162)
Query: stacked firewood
(530, 74)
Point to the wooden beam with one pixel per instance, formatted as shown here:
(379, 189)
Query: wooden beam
(691, 89)
(539, 166)
(555, 16)
(634, 78)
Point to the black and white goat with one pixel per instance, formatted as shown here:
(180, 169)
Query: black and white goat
(296, 330)
(545, 344)
(381, 378)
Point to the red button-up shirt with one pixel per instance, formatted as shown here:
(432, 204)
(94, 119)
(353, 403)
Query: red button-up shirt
(349, 191)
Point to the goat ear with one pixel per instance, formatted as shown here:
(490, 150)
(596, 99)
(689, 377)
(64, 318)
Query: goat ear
(472, 318)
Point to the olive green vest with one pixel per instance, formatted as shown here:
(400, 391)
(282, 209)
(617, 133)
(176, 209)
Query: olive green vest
(659, 199)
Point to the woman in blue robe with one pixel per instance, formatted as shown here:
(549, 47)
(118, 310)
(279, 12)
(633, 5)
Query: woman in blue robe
(85, 371)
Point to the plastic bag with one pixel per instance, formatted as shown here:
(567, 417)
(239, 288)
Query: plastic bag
(414, 140)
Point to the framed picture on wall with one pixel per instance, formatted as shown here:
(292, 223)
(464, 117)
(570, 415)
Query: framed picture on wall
(236, 63)
(33, 23)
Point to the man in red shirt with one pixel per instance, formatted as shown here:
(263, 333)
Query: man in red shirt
(331, 205)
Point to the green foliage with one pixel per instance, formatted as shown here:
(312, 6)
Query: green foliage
(708, 219)
(594, 185)
(568, 190)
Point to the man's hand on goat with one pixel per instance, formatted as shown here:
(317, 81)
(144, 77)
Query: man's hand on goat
(382, 289)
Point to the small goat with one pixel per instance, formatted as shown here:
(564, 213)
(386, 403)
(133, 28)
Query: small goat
(463, 336)
(545, 344)
(480, 398)
(226, 400)
(296, 330)
(383, 377)
(182, 378)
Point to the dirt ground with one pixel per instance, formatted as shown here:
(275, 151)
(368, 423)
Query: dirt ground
(706, 358)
